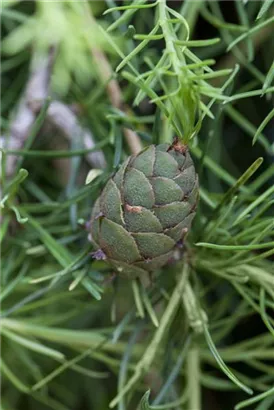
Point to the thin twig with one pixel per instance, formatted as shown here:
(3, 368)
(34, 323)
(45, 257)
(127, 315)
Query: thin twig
(113, 89)
(193, 371)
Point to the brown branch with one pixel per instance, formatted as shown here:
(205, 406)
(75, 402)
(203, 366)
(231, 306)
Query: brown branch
(35, 93)
(62, 118)
(59, 116)
(113, 89)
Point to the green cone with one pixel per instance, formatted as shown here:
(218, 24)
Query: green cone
(146, 209)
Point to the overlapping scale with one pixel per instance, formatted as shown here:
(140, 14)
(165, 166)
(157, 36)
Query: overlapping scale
(145, 209)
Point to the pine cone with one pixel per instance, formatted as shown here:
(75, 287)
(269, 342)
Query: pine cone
(146, 209)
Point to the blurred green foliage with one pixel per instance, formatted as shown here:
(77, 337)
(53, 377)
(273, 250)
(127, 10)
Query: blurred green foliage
(72, 338)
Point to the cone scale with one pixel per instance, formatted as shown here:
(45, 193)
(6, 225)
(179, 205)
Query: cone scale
(146, 209)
